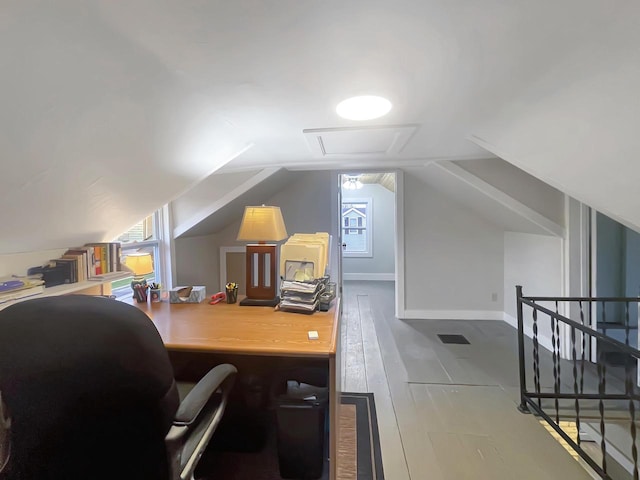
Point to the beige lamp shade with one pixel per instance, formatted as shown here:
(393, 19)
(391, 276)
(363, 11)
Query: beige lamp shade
(263, 224)
(139, 263)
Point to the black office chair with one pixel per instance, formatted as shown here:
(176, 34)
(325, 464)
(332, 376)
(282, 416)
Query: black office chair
(87, 392)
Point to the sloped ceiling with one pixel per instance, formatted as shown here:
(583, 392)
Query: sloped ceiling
(112, 109)
(571, 116)
(387, 180)
(232, 210)
(495, 206)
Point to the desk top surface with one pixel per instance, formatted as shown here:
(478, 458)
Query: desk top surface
(230, 328)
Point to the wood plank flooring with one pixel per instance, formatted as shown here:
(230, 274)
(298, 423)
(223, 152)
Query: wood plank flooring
(443, 412)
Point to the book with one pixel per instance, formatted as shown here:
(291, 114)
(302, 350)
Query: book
(69, 266)
(86, 259)
(106, 257)
(80, 268)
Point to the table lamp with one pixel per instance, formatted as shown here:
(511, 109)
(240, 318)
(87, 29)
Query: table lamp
(262, 224)
(140, 264)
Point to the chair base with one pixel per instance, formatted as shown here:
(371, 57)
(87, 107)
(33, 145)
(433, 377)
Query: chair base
(257, 302)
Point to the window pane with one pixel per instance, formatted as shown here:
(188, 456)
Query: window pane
(144, 231)
(140, 232)
(355, 232)
(122, 288)
(356, 241)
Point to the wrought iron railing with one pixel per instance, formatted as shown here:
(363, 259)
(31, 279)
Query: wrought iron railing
(581, 375)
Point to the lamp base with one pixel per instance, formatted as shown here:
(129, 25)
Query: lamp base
(259, 302)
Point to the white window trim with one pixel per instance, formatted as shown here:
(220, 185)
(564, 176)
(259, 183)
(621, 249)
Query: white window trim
(162, 273)
(369, 227)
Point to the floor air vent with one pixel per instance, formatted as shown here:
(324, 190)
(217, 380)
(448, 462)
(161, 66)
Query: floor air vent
(456, 339)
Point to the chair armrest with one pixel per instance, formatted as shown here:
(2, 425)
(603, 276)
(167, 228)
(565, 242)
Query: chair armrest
(197, 398)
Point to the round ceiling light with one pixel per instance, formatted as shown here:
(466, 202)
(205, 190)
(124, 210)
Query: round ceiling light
(352, 183)
(366, 107)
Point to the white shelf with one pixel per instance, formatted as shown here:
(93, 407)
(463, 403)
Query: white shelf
(71, 287)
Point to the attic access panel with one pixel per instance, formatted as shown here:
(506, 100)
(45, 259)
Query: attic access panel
(381, 140)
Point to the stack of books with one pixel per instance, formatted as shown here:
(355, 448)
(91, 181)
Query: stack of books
(93, 261)
(16, 288)
(302, 297)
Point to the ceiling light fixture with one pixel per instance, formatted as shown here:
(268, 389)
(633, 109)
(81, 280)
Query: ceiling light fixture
(366, 107)
(352, 183)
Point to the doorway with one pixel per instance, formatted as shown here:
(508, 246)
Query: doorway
(617, 274)
(368, 225)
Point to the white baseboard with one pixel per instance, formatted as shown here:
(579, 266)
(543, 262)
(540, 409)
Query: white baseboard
(452, 315)
(384, 277)
(543, 340)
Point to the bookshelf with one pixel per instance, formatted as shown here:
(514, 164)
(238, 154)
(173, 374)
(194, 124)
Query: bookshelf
(100, 286)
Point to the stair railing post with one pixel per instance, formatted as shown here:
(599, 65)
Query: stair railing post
(523, 384)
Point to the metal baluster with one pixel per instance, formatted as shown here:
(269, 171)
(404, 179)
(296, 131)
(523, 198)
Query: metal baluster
(626, 323)
(536, 357)
(521, 360)
(555, 365)
(630, 390)
(574, 356)
(558, 354)
(602, 372)
(584, 349)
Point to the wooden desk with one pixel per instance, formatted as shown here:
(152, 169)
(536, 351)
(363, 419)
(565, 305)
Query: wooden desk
(232, 329)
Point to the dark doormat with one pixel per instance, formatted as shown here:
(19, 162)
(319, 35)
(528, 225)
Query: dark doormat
(359, 455)
(454, 339)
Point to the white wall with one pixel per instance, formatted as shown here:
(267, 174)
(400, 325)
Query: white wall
(383, 260)
(535, 262)
(197, 261)
(609, 257)
(453, 258)
(306, 208)
(18, 263)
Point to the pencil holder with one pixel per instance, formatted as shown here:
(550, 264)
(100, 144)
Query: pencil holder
(232, 294)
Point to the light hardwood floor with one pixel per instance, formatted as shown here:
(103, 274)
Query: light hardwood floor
(444, 411)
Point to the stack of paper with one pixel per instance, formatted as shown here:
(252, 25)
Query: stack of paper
(303, 297)
(15, 288)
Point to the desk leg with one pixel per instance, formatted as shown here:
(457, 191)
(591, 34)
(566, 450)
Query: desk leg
(335, 383)
(335, 390)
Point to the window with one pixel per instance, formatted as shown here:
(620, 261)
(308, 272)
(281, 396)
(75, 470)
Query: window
(143, 237)
(357, 231)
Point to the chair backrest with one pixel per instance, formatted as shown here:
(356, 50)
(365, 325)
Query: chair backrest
(89, 390)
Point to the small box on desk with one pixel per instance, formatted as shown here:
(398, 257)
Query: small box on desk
(183, 295)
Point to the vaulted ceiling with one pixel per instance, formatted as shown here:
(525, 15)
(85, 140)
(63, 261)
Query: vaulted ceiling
(111, 109)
